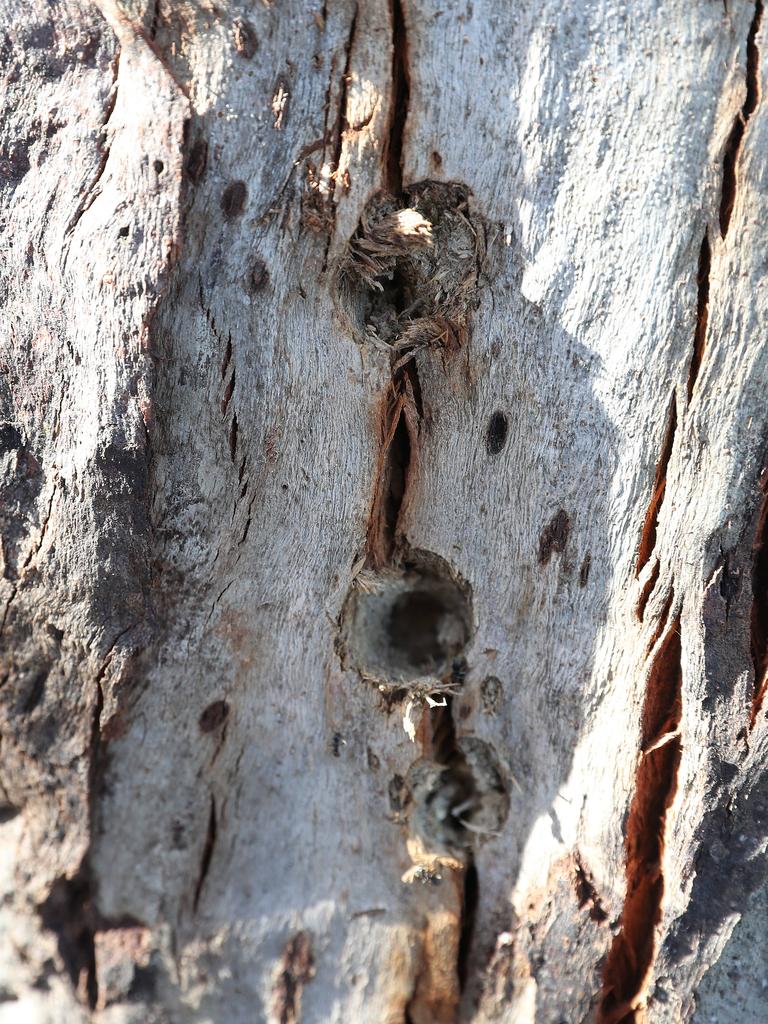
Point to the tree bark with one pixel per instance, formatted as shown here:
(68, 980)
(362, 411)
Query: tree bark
(384, 587)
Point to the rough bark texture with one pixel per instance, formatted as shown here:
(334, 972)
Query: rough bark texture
(384, 456)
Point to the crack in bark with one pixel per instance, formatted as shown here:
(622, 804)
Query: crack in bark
(229, 386)
(207, 854)
(739, 129)
(90, 195)
(632, 954)
(406, 316)
(662, 623)
(155, 20)
(469, 904)
(69, 910)
(341, 124)
(702, 313)
(233, 438)
(393, 146)
(128, 31)
(586, 893)
(392, 474)
(33, 553)
(647, 590)
(759, 611)
(648, 536)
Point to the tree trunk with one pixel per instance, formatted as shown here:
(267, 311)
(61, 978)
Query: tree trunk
(385, 518)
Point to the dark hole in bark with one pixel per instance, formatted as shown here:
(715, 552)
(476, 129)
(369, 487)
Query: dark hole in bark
(7, 813)
(416, 627)
(408, 623)
(10, 438)
(214, 716)
(496, 434)
(144, 985)
(233, 199)
(123, 232)
(246, 40)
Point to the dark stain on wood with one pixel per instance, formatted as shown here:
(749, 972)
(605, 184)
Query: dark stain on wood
(259, 275)
(584, 571)
(554, 537)
(197, 161)
(297, 967)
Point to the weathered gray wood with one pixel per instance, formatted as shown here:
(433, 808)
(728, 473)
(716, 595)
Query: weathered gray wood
(355, 355)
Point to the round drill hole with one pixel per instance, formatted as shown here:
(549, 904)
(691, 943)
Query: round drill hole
(407, 625)
(423, 629)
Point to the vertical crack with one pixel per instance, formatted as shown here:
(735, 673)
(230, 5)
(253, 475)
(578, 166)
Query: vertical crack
(631, 957)
(458, 794)
(393, 147)
(207, 855)
(342, 121)
(90, 192)
(702, 312)
(469, 905)
(319, 206)
(648, 536)
(400, 423)
(727, 195)
(647, 590)
(391, 482)
(759, 612)
(409, 280)
(738, 131)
